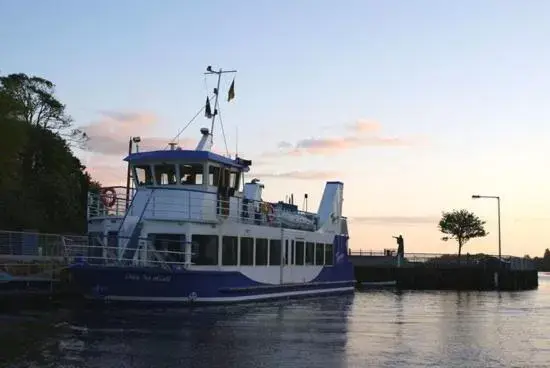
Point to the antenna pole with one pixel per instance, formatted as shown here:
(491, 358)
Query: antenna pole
(219, 73)
(236, 141)
(215, 105)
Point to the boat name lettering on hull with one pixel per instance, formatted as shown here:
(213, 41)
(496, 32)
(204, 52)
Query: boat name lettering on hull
(147, 277)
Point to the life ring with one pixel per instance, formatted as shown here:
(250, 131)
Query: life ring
(267, 209)
(108, 197)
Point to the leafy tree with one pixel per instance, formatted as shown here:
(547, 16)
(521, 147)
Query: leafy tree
(38, 105)
(43, 186)
(462, 226)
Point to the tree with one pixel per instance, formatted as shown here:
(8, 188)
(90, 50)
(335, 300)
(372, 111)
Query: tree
(38, 106)
(43, 186)
(462, 226)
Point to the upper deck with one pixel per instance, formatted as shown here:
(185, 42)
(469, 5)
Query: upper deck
(185, 204)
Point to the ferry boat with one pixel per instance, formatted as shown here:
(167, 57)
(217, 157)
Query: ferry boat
(192, 229)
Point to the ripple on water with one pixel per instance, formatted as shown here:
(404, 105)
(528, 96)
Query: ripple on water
(370, 329)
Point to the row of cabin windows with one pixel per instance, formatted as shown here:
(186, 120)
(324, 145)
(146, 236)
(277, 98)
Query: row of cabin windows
(189, 174)
(259, 252)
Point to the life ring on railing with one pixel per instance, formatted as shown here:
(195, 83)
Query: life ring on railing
(108, 197)
(267, 209)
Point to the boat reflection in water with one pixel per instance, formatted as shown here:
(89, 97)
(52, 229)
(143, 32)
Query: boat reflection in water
(310, 332)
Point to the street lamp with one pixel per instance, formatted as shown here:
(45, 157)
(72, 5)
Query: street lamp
(131, 142)
(477, 196)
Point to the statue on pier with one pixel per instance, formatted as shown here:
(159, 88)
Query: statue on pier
(400, 245)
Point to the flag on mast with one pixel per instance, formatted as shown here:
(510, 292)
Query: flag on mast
(207, 110)
(231, 93)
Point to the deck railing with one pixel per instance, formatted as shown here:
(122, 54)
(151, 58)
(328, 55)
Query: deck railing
(448, 260)
(99, 252)
(189, 205)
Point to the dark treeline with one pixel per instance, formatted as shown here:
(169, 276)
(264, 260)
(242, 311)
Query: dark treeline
(43, 186)
(543, 264)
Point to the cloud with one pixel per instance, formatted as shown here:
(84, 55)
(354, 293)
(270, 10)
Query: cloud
(391, 220)
(108, 175)
(361, 135)
(110, 134)
(301, 175)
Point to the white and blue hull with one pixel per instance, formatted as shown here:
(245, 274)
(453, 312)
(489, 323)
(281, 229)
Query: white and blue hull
(154, 285)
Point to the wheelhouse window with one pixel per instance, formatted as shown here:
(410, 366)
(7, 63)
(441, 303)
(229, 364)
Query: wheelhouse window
(213, 175)
(310, 252)
(234, 178)
(204, 249)
(247, 251)
(143, 175)
(261, 252)
(319, 254)
(165, 174)
(274, 252)
(191, 174)
(230, 250)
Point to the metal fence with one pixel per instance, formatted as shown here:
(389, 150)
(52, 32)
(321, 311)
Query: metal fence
(442, 260)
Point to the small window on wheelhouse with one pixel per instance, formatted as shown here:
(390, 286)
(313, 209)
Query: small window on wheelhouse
(165, 174)
(261, 252)
(204, 249)
(191, 174)
(230, 250)
(274, 252)
(247, 251)
(319, 254)
(143, 175)
(213, 175)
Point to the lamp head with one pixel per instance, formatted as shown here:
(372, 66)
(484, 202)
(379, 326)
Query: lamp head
(476, 196)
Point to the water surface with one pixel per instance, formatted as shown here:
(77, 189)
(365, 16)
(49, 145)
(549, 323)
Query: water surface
(369, 329)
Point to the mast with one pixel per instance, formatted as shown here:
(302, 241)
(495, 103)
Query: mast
(217, 93)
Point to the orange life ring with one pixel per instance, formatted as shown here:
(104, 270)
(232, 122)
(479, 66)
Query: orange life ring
(108, 197)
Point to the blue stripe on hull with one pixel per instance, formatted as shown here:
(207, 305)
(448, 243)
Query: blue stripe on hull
(157, 285)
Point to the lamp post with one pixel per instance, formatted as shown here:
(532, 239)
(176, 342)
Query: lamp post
(477, 196)
(131, 142)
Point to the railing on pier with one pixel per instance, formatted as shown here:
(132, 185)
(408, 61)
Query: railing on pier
(34, 255)
(190, 205)
(440, 260)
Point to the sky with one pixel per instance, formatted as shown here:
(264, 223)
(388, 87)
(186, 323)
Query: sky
(414, 105)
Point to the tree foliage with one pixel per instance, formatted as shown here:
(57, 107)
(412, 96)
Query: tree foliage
(43, 186)
(462, 226)
(37, 105)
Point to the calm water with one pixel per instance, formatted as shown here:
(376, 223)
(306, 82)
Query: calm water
(370, 329)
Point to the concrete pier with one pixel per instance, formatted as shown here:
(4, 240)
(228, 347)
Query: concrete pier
(445, 272)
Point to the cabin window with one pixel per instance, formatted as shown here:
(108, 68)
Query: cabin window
(319, 254)
(143, 175)
(213, 175)
(234, 180)
(230, 250)
(205, 250)
(247, 251)
(165, 174)
(291, 252)
(300, 253)
(170, 246)
(191, 174)
(261, 252)
(328, 254)
(274, 252)
(310, 253)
